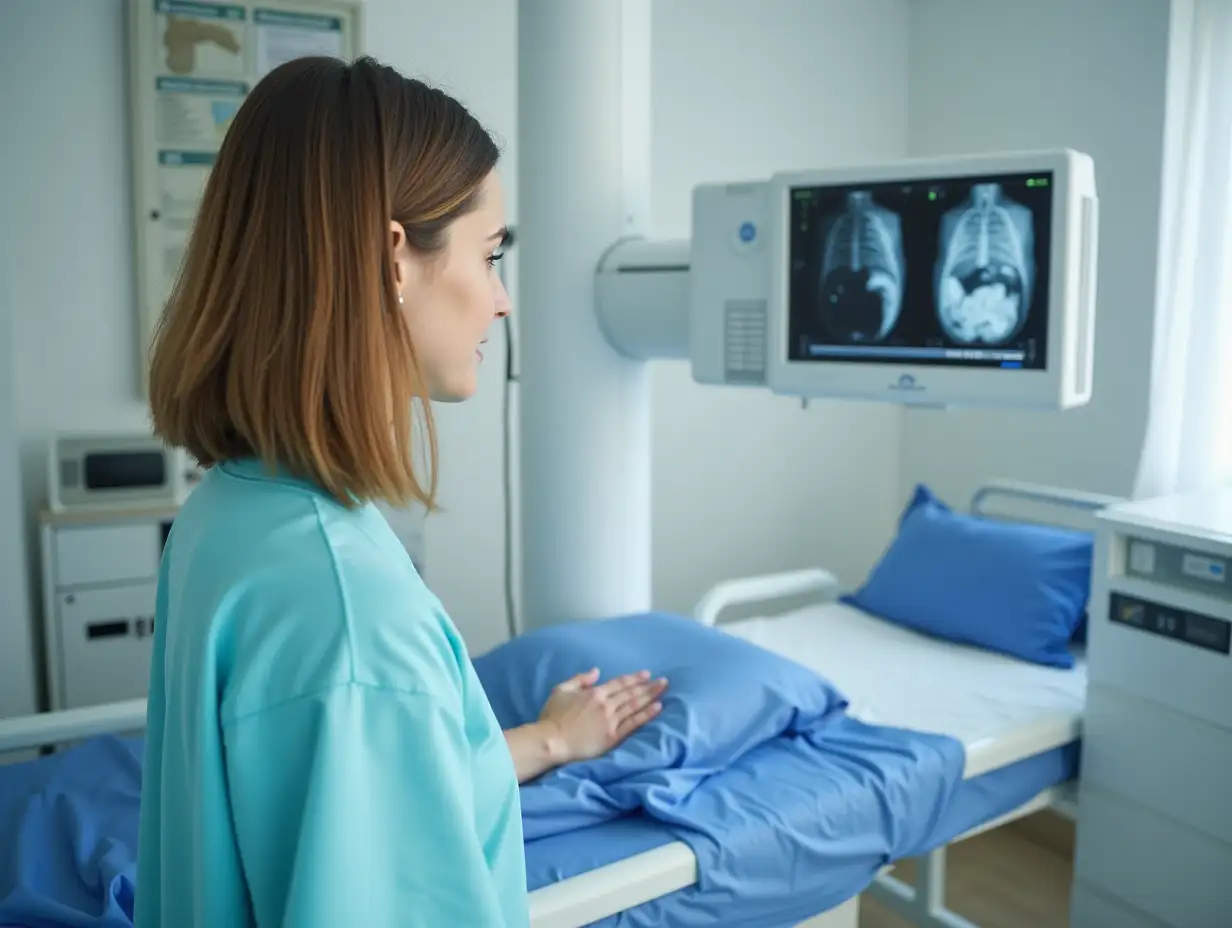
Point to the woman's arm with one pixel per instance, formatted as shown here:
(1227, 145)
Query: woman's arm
(583, 720)
(356, 807)
(536, 748)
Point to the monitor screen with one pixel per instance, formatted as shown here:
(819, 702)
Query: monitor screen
(949, 272)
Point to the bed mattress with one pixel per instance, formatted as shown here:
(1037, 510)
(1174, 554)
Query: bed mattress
(1018, 725)
(1002, 709)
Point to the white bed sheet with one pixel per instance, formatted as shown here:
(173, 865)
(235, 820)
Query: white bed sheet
(1002, 709)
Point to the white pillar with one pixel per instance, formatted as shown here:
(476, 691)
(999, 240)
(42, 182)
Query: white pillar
(17, 654)
(583, 182)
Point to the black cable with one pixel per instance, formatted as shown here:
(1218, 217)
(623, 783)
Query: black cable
(511, 616)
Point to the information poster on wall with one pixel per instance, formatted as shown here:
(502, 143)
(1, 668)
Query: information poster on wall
(192, 64)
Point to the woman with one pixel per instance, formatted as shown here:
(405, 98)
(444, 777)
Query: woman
(320, 752)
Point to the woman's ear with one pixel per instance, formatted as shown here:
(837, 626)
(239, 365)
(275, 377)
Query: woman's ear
(398, 241)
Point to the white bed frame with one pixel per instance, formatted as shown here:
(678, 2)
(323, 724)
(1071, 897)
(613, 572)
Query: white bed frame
(603, 892)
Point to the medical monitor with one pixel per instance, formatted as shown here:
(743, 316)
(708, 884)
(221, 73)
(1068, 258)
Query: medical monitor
(947, 282)
(937, 271)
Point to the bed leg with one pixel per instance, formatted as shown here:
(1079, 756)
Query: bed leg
(930, 882)
(924, 904)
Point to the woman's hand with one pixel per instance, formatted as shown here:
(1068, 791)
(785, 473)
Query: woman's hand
(588, 720)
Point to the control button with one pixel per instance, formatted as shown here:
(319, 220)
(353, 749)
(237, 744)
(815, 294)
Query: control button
(746, 237)
(1142, 557)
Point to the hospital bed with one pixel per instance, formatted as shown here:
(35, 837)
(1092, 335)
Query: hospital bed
(1019, 725)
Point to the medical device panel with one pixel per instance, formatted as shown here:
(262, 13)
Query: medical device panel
(729, 286)
(106, 470)
(938, 273)
(942, 282)
(1191, 628)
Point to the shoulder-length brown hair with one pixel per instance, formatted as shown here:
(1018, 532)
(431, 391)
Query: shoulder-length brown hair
(283, 338)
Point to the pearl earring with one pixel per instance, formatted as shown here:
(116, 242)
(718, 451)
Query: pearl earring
(401, 301)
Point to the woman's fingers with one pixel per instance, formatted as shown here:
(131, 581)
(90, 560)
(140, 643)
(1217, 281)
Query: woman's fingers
(637, 697)
(632, 723)
(613, 688)
(589, 678)
(579, 682)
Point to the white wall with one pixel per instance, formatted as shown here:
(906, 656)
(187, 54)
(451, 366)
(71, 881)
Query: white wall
(1006, 74)
(65, 232)
(64, 238)
(67, 229)
(745, 482)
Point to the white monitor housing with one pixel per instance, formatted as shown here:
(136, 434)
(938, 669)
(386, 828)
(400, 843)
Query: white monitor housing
(966, 281)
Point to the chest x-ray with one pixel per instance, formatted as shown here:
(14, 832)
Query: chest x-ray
(862, 271)
(985, 268)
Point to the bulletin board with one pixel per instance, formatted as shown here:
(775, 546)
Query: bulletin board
(191, 64)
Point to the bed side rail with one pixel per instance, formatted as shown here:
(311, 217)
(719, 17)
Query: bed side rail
(47, 729)
(811, 584)
(613, 888)
(1014, 494)
(995, 499)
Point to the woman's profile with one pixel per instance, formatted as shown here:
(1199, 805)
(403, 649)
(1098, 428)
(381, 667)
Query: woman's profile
(319, 750)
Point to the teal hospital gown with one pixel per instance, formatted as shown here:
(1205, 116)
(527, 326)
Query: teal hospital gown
(319, 750)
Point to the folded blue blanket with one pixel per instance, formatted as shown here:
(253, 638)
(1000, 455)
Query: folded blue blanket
(725, 698)
(797, 826)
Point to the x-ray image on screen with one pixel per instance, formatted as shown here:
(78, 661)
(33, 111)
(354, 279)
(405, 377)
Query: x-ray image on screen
(985, 268)
(862, 271)
(948, 271)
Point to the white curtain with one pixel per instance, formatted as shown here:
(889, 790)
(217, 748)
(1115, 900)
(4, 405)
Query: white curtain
(1188, 442)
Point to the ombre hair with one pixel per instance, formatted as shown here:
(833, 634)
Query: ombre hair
(283, 338)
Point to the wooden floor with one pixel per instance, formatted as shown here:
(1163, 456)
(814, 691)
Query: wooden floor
(1017, 876)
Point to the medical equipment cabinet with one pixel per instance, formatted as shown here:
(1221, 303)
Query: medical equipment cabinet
(100, 577)
(1154, 845)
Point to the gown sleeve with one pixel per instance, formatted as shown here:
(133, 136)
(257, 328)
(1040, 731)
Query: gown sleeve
(355, 807)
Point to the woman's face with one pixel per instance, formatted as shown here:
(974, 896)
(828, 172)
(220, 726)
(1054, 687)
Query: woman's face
(452, 298)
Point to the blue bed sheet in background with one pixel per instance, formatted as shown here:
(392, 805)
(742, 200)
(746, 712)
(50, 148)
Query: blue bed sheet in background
(68, 837)
(794, 827)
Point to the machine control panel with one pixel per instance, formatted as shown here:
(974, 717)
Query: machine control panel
(1178, 566)
(1201, 631)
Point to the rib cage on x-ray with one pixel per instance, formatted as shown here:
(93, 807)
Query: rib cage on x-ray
(986, 268)
(862, 271)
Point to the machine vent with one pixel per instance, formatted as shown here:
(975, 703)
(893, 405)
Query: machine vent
(744, 341)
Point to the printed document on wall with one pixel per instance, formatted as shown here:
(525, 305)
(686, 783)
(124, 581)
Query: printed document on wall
(195, 63)
(283, 37)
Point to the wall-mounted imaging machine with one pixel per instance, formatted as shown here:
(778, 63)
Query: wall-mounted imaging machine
(942, 282)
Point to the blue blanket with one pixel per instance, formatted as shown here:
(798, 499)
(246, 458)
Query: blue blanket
(68, 837)
(794, 827)
(726, 697)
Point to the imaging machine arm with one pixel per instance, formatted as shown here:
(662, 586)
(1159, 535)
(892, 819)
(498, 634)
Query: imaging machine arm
(938, 282)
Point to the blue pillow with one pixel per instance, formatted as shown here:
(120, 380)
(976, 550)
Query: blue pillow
(725, 696)
(1015, 588)
(1080, 631)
